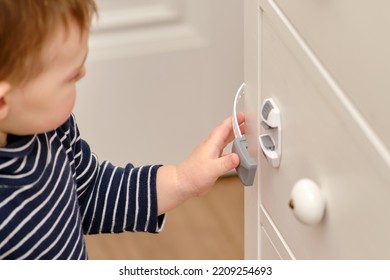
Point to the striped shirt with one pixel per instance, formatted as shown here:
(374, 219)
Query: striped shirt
(53, 190)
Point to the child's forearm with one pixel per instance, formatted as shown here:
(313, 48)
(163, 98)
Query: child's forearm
(169, 193)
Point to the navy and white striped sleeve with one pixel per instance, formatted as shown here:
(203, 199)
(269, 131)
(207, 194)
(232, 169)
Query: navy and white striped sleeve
(115, 199)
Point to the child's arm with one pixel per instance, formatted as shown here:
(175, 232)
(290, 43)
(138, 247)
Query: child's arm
(198, 173)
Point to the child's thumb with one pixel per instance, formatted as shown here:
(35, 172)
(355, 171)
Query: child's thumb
(227, 163)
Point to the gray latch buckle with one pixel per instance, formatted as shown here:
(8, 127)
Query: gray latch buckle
(246, 170)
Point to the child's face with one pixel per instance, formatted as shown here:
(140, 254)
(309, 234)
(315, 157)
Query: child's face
(45, 102)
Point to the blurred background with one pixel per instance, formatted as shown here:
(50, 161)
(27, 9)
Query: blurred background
(160, 75)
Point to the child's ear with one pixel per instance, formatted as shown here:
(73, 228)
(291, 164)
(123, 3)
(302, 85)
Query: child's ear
(4, 88)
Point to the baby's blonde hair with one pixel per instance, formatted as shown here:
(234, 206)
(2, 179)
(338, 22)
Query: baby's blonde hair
(27, 25)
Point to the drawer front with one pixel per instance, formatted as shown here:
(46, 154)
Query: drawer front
(273, 246)
(323, 142)
(351, 39)
(268, 250)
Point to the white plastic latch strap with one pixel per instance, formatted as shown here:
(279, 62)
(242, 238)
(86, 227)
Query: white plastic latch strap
(236, 128)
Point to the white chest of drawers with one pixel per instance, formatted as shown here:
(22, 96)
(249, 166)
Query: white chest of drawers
(326, 64)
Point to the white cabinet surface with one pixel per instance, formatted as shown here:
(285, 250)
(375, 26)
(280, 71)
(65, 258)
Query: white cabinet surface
(324, 63)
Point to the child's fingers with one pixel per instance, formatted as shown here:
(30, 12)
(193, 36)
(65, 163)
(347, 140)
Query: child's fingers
(241, 123)
(226, 163)
(223, 134)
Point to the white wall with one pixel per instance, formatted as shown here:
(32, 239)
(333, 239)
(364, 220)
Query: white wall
(161, 75)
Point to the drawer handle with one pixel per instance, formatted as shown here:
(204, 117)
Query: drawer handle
(307, 202)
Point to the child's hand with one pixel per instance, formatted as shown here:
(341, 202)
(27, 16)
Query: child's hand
(198, 173)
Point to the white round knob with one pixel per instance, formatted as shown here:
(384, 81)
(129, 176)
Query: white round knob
(307, 202)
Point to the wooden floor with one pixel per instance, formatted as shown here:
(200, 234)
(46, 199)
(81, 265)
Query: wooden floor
(209, 227)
